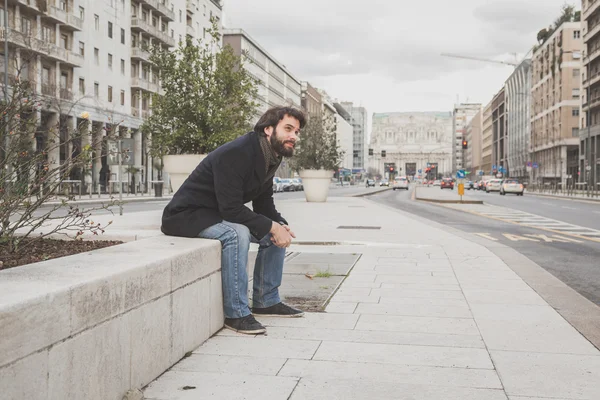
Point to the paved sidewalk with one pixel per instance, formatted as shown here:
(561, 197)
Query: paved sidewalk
(423, 315)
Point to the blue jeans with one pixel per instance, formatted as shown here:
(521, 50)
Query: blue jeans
(268, 271)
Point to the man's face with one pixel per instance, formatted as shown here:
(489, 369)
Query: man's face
(284, 137)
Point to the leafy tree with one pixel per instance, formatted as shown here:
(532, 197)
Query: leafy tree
(542, 35)
(318, 148)
(208, 97)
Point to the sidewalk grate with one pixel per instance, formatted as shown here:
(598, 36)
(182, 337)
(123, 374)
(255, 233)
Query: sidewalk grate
(358, 227)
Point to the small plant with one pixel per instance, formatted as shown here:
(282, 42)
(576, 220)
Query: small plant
(323, 274)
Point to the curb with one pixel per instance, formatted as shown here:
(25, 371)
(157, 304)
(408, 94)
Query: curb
(451, 201)
(116, 200)
(371, 193)
(552, 196)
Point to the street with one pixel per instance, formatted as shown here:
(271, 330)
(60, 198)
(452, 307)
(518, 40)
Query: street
(571, 258)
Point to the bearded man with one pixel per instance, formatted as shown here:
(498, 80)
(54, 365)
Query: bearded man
(211, 205)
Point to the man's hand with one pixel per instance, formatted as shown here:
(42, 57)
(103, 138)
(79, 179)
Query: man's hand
(281, 236)
(292, 234)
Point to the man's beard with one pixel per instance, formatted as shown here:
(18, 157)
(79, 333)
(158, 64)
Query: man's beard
(279, 146)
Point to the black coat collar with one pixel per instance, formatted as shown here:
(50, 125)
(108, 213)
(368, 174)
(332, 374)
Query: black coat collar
(259, 159)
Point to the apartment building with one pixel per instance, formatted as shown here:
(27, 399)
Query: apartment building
(499, 135)
(518, 93)
(556, 84)
(91, 56)
(461, 116)
(312, 100)
(359, 136)
(277, 86)
(473, 135)
(589, 134)
(486, 140)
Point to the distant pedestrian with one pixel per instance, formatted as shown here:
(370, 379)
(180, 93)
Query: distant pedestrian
(211, 204)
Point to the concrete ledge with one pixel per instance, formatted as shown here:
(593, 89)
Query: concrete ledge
(94, 325)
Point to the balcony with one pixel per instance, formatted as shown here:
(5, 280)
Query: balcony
(67, 19)
(190, 6)
(190, 31)
(592, 7)
(138, 53)
(143, 84)
(218, 4)
(166, 13)
(29, 4)
(66, 94)
(593, 55)
(139, 25)
(49, 90)
(23, 40)
(135, 111)
(145, 114)
(64, 56)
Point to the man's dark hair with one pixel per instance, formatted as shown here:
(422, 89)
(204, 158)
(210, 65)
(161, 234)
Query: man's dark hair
(276, 114)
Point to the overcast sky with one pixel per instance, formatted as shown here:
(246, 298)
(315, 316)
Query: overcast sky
(385, 54)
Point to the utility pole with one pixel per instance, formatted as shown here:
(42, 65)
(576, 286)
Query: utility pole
(6, 130)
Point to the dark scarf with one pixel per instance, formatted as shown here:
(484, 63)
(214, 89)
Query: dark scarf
(272, 159)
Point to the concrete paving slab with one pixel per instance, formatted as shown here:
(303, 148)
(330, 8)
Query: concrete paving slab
(313, 320)
(340, 298)
(323, 389)
(419, 286)
(549, 375)
(400, 374)
(494, 284)
(488, 296)
(413, 271)
(455, 357)
(191, 385)
(419, 310)
(230, 364)
(325, 258)
(341, 308)
(426, 279)
(392, 323)
(249, 346)
(349, 283)
(314, 268)
(360, 336)
(391, 293)
(403, 301)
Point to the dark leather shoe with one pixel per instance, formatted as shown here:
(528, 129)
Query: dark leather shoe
(278, 310)
(247, 325)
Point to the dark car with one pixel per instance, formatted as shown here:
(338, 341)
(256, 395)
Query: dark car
(447, 184)
(370, 182)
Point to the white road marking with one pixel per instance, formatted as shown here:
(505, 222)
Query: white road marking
(487, 236)
(517, 238)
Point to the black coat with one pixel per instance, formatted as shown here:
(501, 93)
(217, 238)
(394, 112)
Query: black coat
(229, 177)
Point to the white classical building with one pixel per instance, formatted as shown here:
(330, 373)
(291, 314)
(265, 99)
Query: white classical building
(412, 140)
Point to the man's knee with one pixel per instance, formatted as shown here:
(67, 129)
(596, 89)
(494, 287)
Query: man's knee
(239, 232)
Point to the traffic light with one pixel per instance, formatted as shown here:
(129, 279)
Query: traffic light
(465, 144)
(382, 153)
(370, 152)
(391, 169)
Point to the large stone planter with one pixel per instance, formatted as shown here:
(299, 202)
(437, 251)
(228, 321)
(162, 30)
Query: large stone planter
(316, 184)
(179, 167)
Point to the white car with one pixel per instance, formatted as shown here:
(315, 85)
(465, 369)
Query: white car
(277, 185)
(384, 183)
(493, 185)
(512, 186)
(437, 182)
(400, 183)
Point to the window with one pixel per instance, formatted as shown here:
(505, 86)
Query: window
(122, 97)
(47, 34)
(96, 89)
(576, 34)
(96, 56)
(64, 78)
(62, 4)
(122, 36)
(122, 67)
(110, 61)
(575, 112)
(64, 41)
(134, 41)
(575, 93)
(110, 94)
(205, 10)
(2, 16)
(110, 29)
(46, 76)
(82, 86)
(25, 26)
(97, 22)
(180, 16)
(154, 21)
(576, 72)
(163, 27)
(133, 11)
(82, 13)
(575, 132)
(172, 33)
(82, 49)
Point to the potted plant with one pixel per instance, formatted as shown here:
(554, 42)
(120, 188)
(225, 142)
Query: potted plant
(206, 100)
(317, 157)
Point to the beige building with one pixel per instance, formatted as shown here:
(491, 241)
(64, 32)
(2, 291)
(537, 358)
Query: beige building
(556, 84)
(472, 155)
(499, 134)
(311, 100)
(461, 116)
(590, 132)
(486, 140)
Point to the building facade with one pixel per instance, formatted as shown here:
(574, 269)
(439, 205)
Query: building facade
(472, 155)
(518, 93)
(499, 135)
(413, 141)
(311, 100)
(359, 138)
(589, 149)
(277, 86)
(556, 84)
(344, 133)
(461, 116)
(91, 56)
(486, 140)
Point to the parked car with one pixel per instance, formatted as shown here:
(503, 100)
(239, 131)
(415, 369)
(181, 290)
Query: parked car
(512, 186)
(384, 182)
(298, 184)
(277, 185)
(447, 184)
(288, 185)
(493, 185)
(400, 183)
(469, 185)
(370, 182)
(437, 182)
(482, 185)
